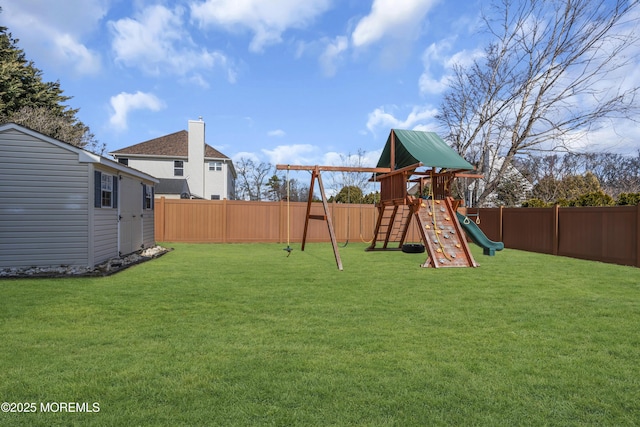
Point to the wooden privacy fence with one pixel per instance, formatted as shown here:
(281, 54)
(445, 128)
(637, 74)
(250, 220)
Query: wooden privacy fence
(607, 234)
(232, 221)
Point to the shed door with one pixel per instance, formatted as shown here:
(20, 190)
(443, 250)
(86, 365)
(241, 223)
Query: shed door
(130, 215)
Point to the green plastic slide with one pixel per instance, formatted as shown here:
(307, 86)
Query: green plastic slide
(489, 247)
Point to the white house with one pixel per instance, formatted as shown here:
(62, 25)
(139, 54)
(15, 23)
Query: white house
(492, 164)
(183, 155)
(61, 205)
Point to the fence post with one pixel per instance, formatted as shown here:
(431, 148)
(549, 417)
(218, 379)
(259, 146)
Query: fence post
(225, 206)
(500, 239)
(556, 230)
(280, 221)
(159, 219)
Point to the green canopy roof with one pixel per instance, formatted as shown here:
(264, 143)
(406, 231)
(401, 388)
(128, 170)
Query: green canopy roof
(428, 148)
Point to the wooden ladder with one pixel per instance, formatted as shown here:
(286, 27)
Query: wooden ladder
(391, 227)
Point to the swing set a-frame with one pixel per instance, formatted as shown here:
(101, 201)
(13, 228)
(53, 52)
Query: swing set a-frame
(403, 161)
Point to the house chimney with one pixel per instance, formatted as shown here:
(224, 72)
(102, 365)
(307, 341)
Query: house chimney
(195, 161)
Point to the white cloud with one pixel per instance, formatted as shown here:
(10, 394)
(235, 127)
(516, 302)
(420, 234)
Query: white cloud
(438, 58)
(614, 135)
(429, 84)
(267, 20)
(278, 133)
(123, 103)
(71, 51)
(156, 42)
(419, 118)
(333, 55)
(391, 18)
(53, 33)
(296, 154)
(333, 158)
(245, 155)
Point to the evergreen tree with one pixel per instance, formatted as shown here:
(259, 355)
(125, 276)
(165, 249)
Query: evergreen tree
(27, 100)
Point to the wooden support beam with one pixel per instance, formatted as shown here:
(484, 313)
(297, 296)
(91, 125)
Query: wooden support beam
(372, 246)
(306, 217)
(404, 170)
(334, 243)
(315, 174)
(332, 168)
(392, 152)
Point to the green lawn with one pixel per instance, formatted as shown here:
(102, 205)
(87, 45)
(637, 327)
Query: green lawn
(242, 335)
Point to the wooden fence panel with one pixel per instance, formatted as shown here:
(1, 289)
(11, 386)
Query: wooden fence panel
(489, 220)
(609, 234)
(226, 221)
(528, 229)
(245, 223)
(192, 221)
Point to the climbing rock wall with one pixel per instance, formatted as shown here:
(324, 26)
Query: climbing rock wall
(446, 245)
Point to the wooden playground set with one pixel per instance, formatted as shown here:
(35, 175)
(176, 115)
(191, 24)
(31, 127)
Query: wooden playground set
(411, 158)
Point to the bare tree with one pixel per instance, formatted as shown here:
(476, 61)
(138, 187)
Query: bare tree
(343, 180)
(252, 178)
(550, 76)
(616, 173)
(298, 192)
(65, 129)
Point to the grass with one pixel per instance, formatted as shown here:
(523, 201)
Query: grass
(242, 335)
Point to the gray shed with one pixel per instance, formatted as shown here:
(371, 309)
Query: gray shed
(61, 205)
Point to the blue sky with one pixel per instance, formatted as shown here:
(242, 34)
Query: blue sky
(281, 81)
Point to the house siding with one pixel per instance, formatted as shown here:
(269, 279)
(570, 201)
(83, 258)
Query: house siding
(44, 211)
(220, 183)
(158, 167)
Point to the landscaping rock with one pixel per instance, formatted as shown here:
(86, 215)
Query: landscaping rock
(107, 268)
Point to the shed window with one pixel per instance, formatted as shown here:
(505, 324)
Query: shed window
(178, 168)
(124, 161)
(215, 197)
(215, 166)
(147, 194)
(106, 190)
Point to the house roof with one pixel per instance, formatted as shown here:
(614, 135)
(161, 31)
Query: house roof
(172, 145)
(428, 148)
(173, 186)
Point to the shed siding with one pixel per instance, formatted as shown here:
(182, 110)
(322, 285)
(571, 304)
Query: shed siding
(148, 231)
(44, 210)
(105, 237)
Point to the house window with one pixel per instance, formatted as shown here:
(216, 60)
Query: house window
(123, 161)
(105, 190)
(147, 194)
(178, 168)
(215, 166)
(215, 197)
